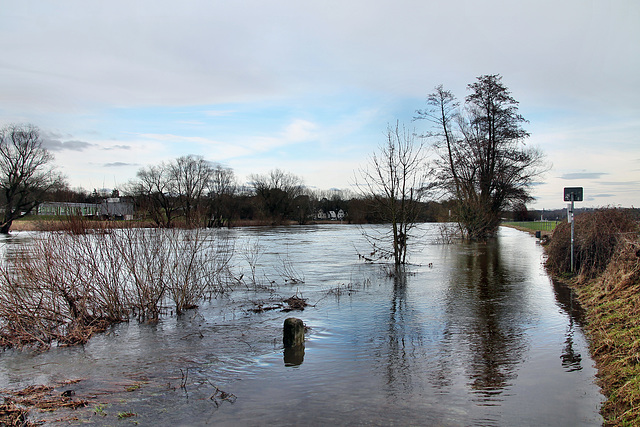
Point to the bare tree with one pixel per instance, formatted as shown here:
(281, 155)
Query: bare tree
(156, 193)
(222, 188)
(397, 181)
(26, 172)
(483, 162)
(191, 176)
(277, 191)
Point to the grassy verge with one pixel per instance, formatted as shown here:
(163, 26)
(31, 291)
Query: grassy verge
(545, 227)
(607, 282)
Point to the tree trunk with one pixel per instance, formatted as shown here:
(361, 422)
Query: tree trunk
(4, 228)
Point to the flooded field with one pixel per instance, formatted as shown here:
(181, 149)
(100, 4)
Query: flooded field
(472, 334)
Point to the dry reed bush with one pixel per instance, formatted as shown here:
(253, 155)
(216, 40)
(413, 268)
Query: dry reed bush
(65, 286)
(596, 237)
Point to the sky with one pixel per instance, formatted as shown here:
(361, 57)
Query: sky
(310, 87)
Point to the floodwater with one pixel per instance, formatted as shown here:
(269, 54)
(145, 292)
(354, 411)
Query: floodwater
(472, 334)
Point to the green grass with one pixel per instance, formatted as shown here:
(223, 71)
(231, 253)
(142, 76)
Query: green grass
(533, 225)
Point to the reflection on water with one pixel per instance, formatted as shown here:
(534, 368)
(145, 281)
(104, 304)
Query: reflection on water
(294, 356)
(484, 299)
(482, 338)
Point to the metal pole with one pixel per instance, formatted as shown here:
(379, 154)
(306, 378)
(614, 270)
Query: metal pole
(572, 229)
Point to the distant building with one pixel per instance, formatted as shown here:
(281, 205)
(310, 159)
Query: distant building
(67, 209)
(115, 208)
(112, 208)
(332, 215)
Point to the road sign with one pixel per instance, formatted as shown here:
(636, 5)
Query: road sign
(575, 191)
(572, 194)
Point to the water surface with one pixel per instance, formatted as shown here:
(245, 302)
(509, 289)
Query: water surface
(472, 334)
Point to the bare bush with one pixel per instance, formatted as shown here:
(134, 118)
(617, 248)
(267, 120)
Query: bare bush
(252, 251)
(65, 286)
(196, 264)
(448, 233)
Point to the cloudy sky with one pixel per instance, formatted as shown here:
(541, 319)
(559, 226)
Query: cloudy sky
(310, 86)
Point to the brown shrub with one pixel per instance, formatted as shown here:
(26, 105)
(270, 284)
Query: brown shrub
(64, 286)
(596, 239)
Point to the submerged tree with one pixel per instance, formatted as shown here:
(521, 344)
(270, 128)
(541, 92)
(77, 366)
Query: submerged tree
(26, 172)
(396, 180)
(483, 162)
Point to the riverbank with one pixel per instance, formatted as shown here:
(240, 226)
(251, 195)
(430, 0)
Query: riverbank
(58, 224)
(607, 285)
(530, 227)
(612, 305)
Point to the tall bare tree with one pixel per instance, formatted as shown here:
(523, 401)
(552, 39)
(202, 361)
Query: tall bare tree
(397, 180)
(483, 162)
(26, 172)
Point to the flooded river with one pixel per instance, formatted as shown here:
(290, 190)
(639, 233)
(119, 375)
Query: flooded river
(472, 334)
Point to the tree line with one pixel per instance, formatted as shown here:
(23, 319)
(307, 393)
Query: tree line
(187, 191)
(192, 192)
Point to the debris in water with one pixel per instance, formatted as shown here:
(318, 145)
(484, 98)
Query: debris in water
(17, 404)
(289, 304)
(295, 303)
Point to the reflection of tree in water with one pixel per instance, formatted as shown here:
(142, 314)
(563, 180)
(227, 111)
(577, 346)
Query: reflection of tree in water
(571, 360)
(483, 329)
(404, 347)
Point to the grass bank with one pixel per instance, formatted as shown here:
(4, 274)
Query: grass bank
(606, 280)
(544, 227)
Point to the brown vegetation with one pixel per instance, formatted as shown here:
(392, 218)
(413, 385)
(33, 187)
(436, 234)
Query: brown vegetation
(597, 235)
(18, 404)
(607, 257)
(64, 286)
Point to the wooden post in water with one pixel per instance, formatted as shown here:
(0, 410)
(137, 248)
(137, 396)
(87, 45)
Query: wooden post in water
(293, 332)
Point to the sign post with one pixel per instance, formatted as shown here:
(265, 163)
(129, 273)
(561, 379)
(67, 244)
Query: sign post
(572, 194)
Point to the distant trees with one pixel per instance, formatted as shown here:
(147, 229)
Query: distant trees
(156, 194)
(26, 172)
(277, 192)
(197, 192)
(191, 176)
(396, 180)
(188, 187)
(222, 188)
(483, 163)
